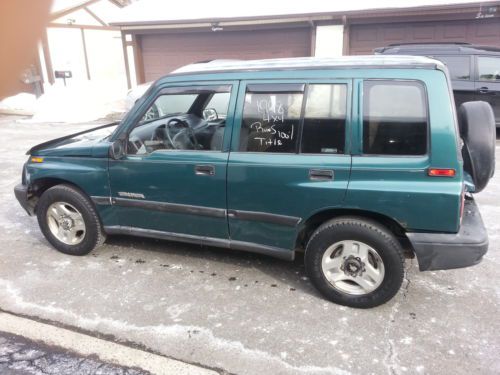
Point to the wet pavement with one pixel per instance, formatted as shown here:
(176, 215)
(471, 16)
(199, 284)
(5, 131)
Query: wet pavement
(19, 356)
(244, 313)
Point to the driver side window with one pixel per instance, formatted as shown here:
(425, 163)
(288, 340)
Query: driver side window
(182, 118)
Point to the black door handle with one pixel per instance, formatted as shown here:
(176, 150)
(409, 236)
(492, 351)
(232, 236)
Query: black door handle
(320, 174)
(483, 90)
(204, 170)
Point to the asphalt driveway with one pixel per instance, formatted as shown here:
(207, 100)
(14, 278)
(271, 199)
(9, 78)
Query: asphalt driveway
(244, 313)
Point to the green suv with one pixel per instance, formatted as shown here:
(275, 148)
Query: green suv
(359, 162)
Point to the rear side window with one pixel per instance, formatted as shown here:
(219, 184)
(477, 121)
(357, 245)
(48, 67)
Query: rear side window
(291, 118)
(458, 66)
(394, 118)
(325, 119)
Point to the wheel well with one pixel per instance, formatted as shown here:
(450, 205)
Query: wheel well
(38, 187)
(311, 224)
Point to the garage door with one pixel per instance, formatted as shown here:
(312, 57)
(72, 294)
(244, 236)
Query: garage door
(364, 38)
(163, 53)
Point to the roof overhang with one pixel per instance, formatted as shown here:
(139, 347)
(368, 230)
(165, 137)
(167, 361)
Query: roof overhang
(437, 12)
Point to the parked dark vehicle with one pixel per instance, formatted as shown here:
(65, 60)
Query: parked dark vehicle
(474, 70)
(355, 161)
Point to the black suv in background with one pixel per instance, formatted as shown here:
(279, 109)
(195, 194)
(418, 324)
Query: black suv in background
(474, 70)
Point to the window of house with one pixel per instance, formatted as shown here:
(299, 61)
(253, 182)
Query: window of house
(394, 118)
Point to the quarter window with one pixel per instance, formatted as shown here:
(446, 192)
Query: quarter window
(394, 118)
(488, 68)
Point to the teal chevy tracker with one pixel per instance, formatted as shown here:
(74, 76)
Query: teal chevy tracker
(359, 162)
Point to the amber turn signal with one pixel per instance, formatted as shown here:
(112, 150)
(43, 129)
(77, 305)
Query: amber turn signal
(36, 159)
(441, 172)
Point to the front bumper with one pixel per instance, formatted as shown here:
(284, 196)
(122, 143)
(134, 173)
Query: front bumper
(441, 251)
(21, 193)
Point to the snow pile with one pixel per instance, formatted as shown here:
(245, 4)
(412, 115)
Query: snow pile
(78, 102)
(23, 104)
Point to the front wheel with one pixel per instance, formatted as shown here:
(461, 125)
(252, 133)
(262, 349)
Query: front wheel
(355, 262)
(69, 221)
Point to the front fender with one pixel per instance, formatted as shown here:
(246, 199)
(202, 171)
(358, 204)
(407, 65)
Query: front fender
(88, 174)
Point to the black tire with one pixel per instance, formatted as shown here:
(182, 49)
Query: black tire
(375, 236)
(477, 129)
(94, 235)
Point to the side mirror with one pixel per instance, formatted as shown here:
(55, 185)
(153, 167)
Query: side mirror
(210, 114)
(117, 149)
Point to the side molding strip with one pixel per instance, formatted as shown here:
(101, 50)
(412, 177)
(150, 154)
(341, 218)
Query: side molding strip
(171, 207)
(200, 240)
(101, 201)
(290, 221)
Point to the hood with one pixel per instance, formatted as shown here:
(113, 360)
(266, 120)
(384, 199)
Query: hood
(77, 144)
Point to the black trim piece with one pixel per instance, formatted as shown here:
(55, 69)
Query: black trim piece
(169, 236)
(290, 221)
(442, 251)
(201, 240)
(171, 207)
(193, 89)
(21, 193)
(101, 201)
(221, 213)
(276, 252)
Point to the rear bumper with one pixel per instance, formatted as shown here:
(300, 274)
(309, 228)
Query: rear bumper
(21, 193)
(441, 251)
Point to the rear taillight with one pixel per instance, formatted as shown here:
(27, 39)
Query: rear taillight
(441, 172)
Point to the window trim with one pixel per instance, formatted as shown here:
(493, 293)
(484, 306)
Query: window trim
(361, 117)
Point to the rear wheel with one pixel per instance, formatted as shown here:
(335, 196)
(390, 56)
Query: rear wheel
(355, 262)
(69, 221)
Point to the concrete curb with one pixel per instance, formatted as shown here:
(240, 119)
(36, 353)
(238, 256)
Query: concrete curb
(107, 351)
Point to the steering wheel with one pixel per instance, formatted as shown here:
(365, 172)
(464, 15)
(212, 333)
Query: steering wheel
(185, 131)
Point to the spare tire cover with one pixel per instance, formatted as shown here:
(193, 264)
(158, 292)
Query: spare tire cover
(477, 129)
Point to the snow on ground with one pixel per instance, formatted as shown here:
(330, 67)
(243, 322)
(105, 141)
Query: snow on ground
(78, 102)
(22, 103)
